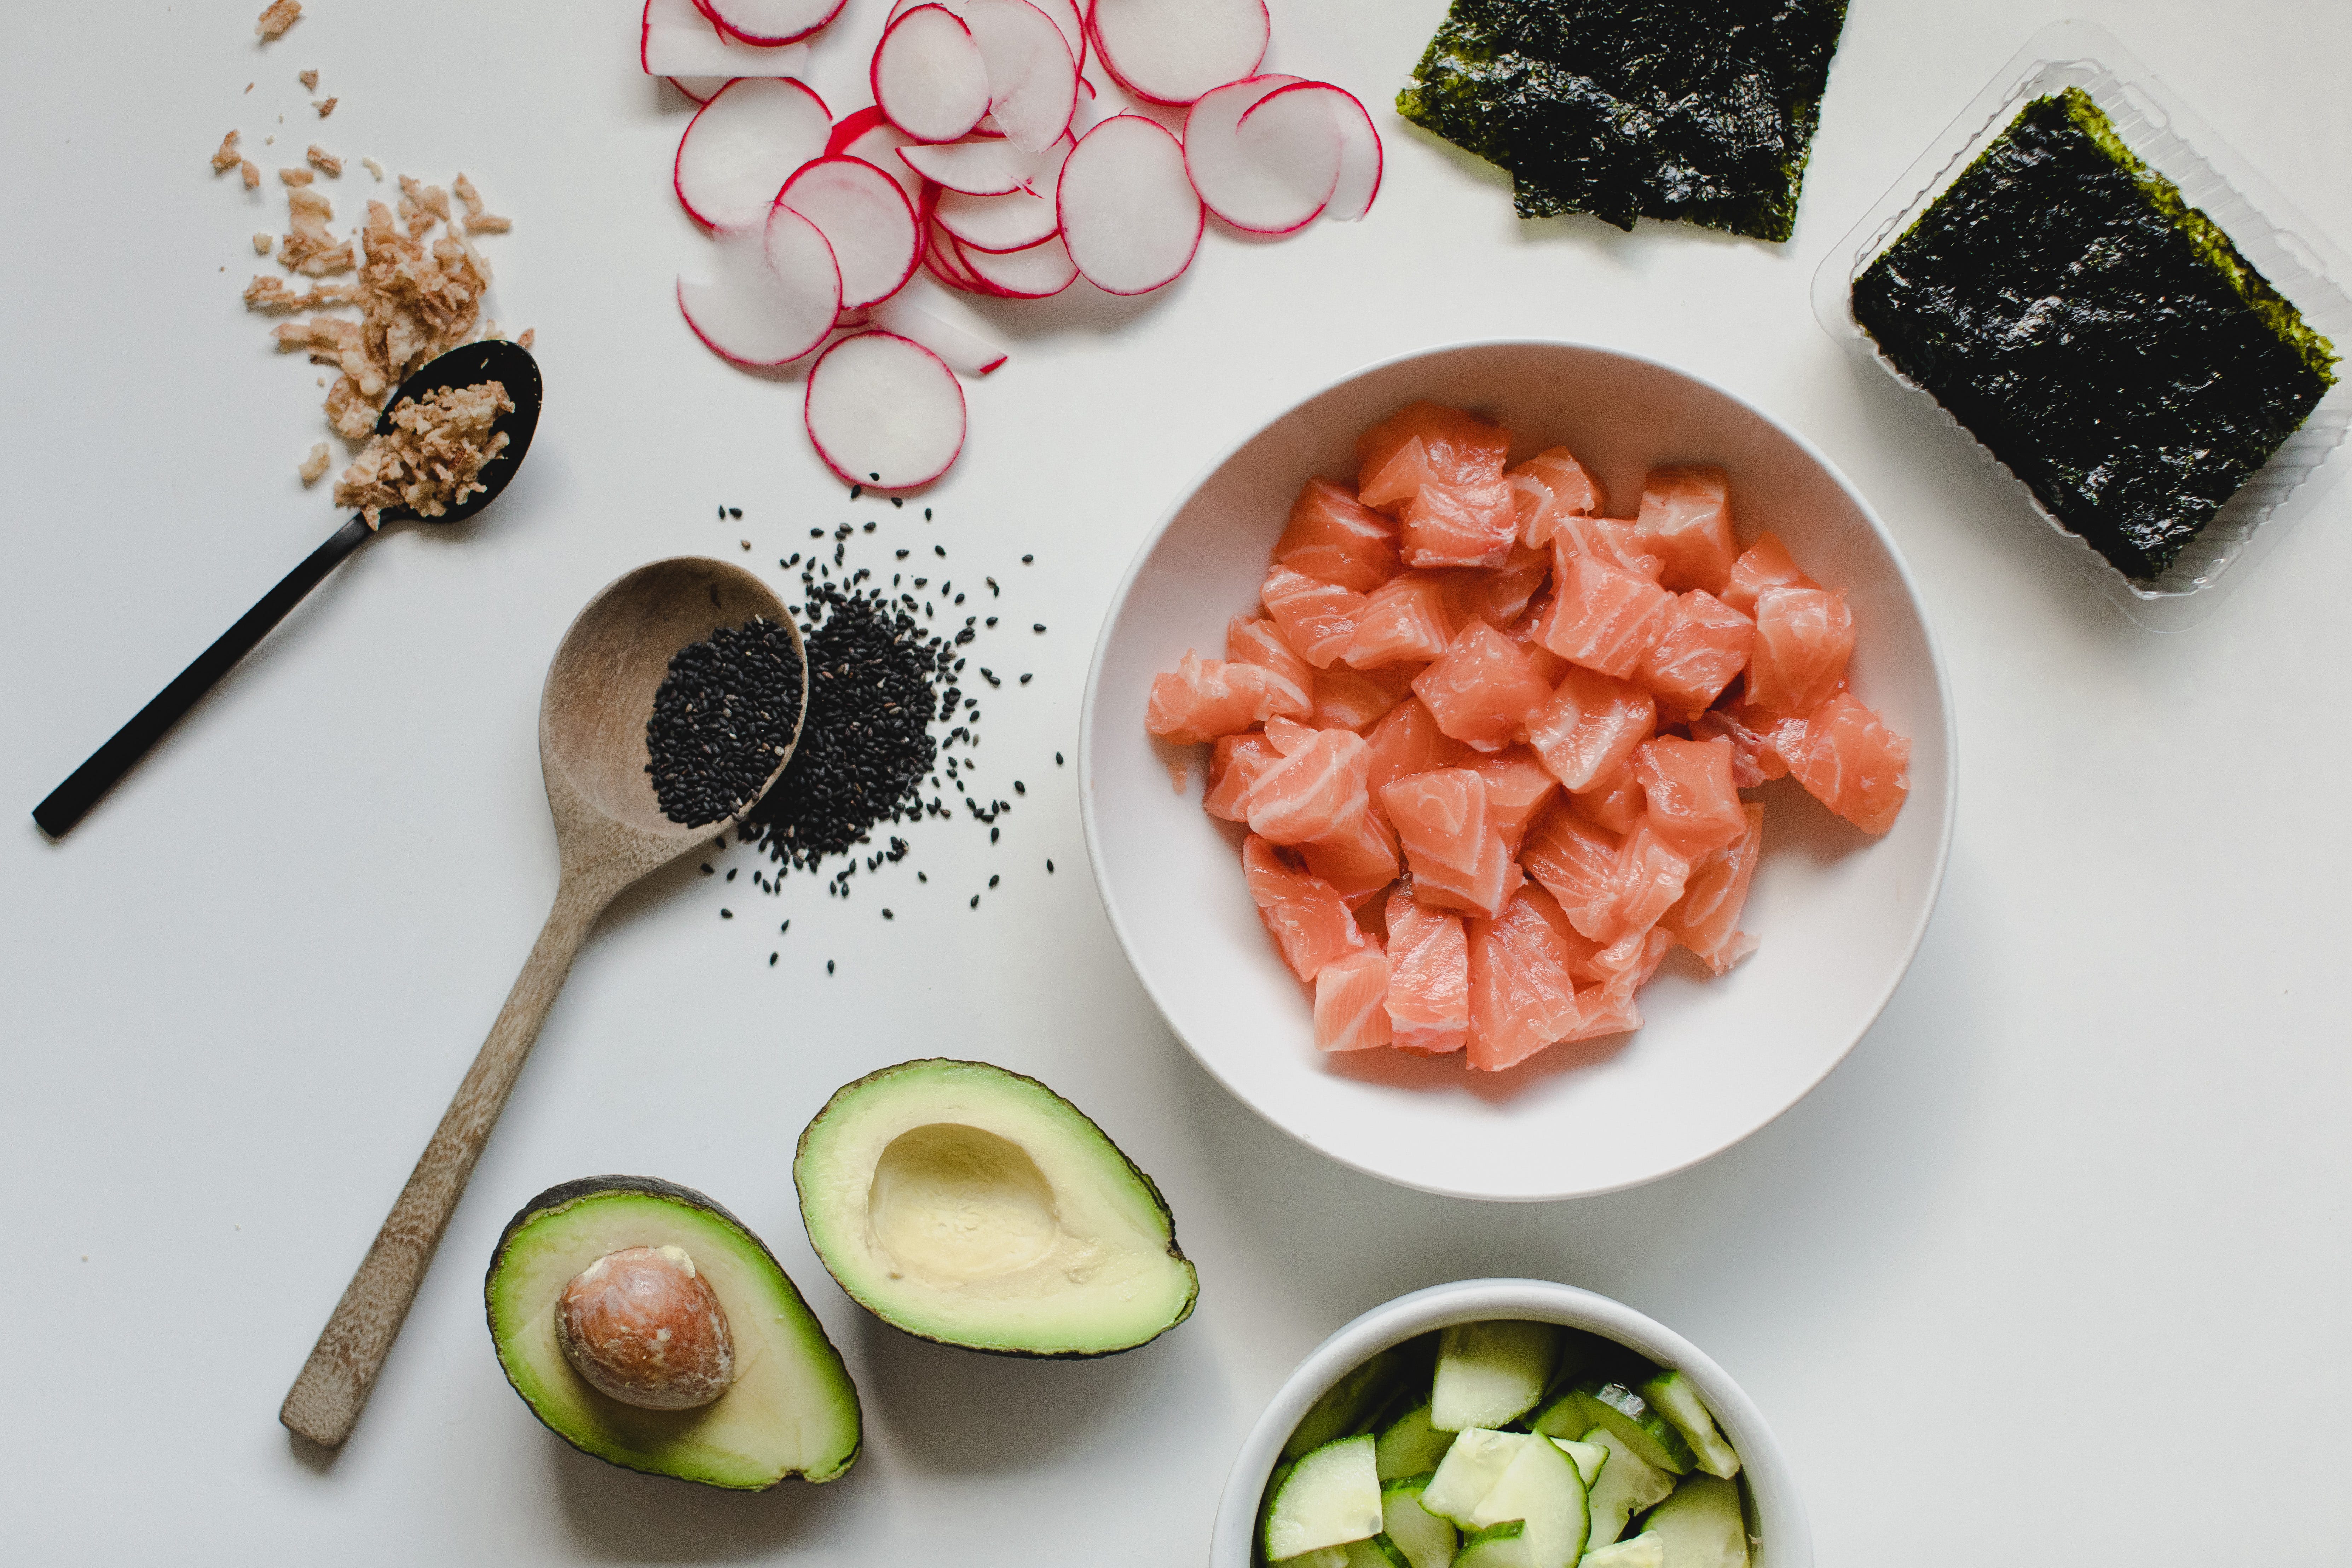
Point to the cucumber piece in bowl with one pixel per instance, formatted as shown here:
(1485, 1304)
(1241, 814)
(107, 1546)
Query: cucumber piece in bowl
(1671, 1394)
(1627, 1486)
(1492, 1373)
(1541, 1488)
(1647, 1549)
(1601, 1400)
(1331, 1497)
(1471, 1467)
(1424, 1538)
(1701, 1525)
(1409, 1446)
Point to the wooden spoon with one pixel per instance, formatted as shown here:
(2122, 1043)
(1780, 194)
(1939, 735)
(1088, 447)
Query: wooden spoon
(609, 831)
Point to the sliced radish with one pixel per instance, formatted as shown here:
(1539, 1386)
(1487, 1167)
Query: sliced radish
(1173, 51)
(701, 89)
(1300, 121)
(945, 259)
(773, 295)
(1128, 214)
(1036, 273)
(1032, 78)
(986, 168)
(676, 40)
(929, 75)
(1014, 221)
(1263, 188)
(770, 21)
(866, 219)
(741, 146)
(885, 410)
(869, 134)
(1064, 13)
(971, 354)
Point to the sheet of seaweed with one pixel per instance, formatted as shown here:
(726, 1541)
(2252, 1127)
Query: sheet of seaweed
(2098, 334)
(1629, 108)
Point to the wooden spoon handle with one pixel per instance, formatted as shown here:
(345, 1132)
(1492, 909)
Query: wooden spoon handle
(335, 1382)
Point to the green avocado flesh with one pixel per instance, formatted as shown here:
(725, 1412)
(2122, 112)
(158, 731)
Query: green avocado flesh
(1627, 109)
(2100, 336)
(790, 1410)
(967, 1205)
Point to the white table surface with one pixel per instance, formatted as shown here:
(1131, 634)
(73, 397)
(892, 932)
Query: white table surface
(2061, 1241)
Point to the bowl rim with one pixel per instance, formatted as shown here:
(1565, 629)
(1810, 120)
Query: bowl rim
(1091, 699)
(1787, 1535)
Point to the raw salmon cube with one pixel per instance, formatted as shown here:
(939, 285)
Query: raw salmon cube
(1852, 762)
(1460, 525)
(1351, 1002)
(1407, 741)
(1547, 487)
(1260, 643)
(1500, 597)
(1337, 539)
(1614, 801)
(1309, 922)
(1705, 920)
(1357, 699)
(1606, 539)
(1764, 565)
(1318, 618)
(1457, 857)
(1651, 876)
(1603, 616)
(1518, 786)
(1233, 767)
(1287, 735)
(1756, 756)
(1803, 638)
(1206, 697)
(1591, 726)
(1460, 448)
(1549, 668)
(1483, 690)
(1705, 644)
(1397, 478)
(1685, 522)
(1317, 790)
(1693, 803)
(1522, 996)
(1429, 976)
(1576, 861)
(1407, 617)
(1358, 857)
(1608, 1007)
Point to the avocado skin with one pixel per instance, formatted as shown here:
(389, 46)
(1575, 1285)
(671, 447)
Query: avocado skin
(564, 1193)
(1159, 1200)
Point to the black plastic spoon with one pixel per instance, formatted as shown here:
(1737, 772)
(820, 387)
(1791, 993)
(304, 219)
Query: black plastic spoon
(470, 365)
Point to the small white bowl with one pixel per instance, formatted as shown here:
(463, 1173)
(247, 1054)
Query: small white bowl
(1839, 913)
(1786, 1540)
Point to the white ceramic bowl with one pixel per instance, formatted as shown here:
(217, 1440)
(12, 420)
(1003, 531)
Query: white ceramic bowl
(1839, 913)
(1785, 1541)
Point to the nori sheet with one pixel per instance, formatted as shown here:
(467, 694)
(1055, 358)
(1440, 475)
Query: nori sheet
(2098, 334)
(1627, 109)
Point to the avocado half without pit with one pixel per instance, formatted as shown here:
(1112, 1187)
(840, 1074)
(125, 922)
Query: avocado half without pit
(970, 1205)
(646, 1325)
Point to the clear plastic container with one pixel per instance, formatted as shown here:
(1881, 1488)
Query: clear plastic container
(2299, 261)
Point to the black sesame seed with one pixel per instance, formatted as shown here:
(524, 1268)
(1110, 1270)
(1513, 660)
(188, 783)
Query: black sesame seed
(783, 928)
(993, 880)
(941, 551)
(1025, 680)
(1018, 788)
(869, 528)
(1049, 868)
(858, 490)
(828, 966)
(1058, 759)
(730, 872)
(888, 916)
(706, 867)
(975, 901)
(736, 512)
(895, 500)
(726, 914)
(1037, 626)
(771, 961)
(1026, 559)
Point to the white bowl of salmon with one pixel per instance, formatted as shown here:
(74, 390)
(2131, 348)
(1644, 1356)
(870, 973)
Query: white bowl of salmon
(1509, 1424)
(1576, 764)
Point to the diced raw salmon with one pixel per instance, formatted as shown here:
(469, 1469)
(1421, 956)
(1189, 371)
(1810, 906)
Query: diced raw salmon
(1518, 786)
(1307, 918)
(1601, 617)
(1459, 448)
(1803, 638)
(1547, 487)
(1206, 697)
(1591, 726)
(1460, 524)
(1852, 762)
(1351, 1002)
(1233, 767)
(1576, 863)
(1429, 976)
(1409, 616)
(1287, 735)
(1407, 741)
(1335, 538)
(1705, 644)
(1315, 791)
(1500, 597)
(1260, 643)
(1357, 857)
(1692, 801)
(1615, 800)
(1685, 522)
(1522, 996)
(1392, 482)
(1609, 1007)
(1650, 878)
(1451, 845)
(1755, 737)
(1707, 918)
(1317, 618)
(1483, 690)
(1357, 699)
(1606, 539)
(1764, 565)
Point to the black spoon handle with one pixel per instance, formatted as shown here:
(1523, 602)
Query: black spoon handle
(71, 801)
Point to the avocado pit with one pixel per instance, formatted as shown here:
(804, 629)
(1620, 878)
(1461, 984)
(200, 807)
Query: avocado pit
(643, 1326)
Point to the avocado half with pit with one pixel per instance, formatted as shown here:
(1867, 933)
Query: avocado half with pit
(646, 1325)
(963, 1203)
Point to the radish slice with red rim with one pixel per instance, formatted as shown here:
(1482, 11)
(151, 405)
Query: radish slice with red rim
(701, 89)
(866, 221)
(869, 134)
(1032, 78)
(1128, 213)
(741, 146)
(929, 75)
(773, 295)
(1238, 180)
(770, 21)
(1287, 123)
(1037, 273)
(884, 411)
(986, 168)
(677, 39)
(1014, 221)
(1173, 51)
(964, 352)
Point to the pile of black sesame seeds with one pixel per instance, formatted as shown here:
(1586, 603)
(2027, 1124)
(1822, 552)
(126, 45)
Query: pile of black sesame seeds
(723, 715)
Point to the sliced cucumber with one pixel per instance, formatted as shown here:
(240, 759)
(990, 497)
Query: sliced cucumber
(1322, 1557)
(1671, 1393)
(1349, 1404)
(1379, 1551)
(1589, 1457)
(1489, 1373)
(1499, 1546)
(1647, 1549)
(1410, 1445)
(1470, 1470)
(1701, 1525)
(1542, 1489)
(1425, 1540)
(1629, 1415)
(1627, 1486)
(1332, 1496)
